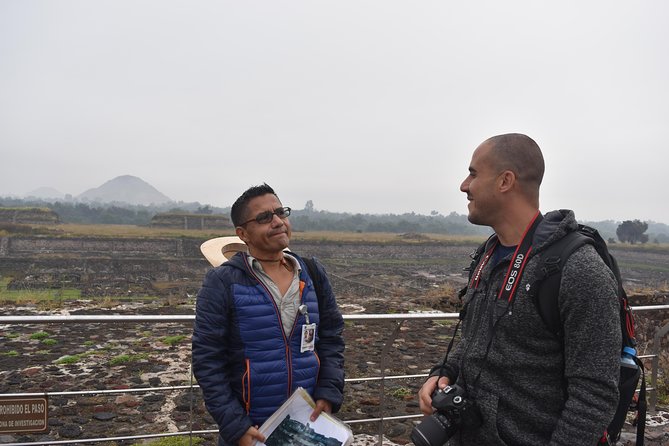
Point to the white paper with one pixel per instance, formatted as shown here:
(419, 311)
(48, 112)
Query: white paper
(290, 425)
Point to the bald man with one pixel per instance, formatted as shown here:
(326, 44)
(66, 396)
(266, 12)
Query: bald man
(528, 385)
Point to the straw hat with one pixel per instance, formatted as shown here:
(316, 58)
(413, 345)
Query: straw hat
(221, 249)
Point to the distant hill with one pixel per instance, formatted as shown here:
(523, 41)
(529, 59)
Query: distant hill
(125, 189)
(46, 193)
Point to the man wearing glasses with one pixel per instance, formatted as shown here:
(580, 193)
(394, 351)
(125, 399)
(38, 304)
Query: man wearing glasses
(253, 314)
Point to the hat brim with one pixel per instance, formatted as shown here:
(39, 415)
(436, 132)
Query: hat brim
(221, 249)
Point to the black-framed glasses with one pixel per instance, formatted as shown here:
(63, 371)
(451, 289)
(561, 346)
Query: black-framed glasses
(267, 216)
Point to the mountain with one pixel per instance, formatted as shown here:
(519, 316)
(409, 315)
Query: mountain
(125, 189)
(46, 193)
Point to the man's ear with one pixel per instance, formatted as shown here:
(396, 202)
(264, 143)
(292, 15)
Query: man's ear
(507, 181)
(241, 233)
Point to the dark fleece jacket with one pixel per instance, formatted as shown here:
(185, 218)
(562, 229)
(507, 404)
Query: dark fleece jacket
(532, 387)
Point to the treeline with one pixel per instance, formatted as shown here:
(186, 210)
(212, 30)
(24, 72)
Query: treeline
(307, 219)
(310, 220)
(103, 213)
(649, 232)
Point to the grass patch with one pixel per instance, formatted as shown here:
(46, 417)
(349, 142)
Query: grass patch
(401, 392)
(69, 359)
(133, 231)
(34, 296)
(39, 335)
(125, 359)
(53, 297)
(11, 353)
(645, 266)
(128, 231)
(174, 441)
(173, 340)
(49, 341)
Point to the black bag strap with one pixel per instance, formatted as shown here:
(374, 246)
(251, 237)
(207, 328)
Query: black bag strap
(641, 406)
(545, 289)
(546, 284)
(316, 279)
(476, 256)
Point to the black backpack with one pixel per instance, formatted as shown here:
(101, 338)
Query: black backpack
(544, 290)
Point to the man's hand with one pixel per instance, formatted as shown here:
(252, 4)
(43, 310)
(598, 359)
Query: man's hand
(321, 406)
(425, 393)
(251, 436)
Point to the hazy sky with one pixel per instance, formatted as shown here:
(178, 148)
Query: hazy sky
(360, 106)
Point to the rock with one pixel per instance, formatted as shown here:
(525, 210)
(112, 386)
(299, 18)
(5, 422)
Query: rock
(127, 400)
(370, 401)
(154, 398)
(185, 401)
(396, 430)
(150, 417)
(32, 371)
(104, 416)
(70, 431)
(370, 440)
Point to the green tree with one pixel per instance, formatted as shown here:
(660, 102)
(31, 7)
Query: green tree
(632, 231)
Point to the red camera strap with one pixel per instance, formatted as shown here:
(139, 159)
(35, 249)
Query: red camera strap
(515, 271)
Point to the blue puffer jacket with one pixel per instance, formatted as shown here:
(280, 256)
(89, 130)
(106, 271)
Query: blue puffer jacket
(244, 363)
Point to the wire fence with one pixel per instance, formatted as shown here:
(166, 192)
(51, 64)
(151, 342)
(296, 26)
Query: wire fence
(381, 379)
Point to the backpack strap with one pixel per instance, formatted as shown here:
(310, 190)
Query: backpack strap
(545, 287)
(476, 258)
(642, 406)
(316, 279)
(544, 291)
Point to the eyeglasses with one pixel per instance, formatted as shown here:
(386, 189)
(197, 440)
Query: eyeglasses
(267, 216)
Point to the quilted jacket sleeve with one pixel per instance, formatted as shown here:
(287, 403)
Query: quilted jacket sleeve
(330, 347)
(210, 357)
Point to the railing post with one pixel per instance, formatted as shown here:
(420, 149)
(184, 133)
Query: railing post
(384, 356)
(191, 397)
(659, 334)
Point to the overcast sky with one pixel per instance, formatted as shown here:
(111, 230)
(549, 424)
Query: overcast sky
(360, 106)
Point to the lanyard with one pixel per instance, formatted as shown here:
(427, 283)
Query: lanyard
(515, 271)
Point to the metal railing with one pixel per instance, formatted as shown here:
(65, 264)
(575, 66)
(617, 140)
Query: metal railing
(399, 319)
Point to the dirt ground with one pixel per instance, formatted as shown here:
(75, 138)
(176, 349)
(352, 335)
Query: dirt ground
(367, 279)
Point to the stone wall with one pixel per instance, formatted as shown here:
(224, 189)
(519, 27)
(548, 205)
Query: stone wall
(28, 216)
(36, 261)
(191, 221)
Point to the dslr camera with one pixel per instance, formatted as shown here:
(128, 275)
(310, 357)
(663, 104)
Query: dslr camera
(452, 410)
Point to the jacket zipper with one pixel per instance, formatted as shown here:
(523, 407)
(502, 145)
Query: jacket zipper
(286, 342)
(246, 387)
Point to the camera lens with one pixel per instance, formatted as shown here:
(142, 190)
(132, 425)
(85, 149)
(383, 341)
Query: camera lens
(434, 430)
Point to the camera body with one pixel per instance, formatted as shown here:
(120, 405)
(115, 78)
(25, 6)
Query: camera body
(453, 409)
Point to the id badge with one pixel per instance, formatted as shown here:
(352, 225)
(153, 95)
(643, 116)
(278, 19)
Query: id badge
(308, 338)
